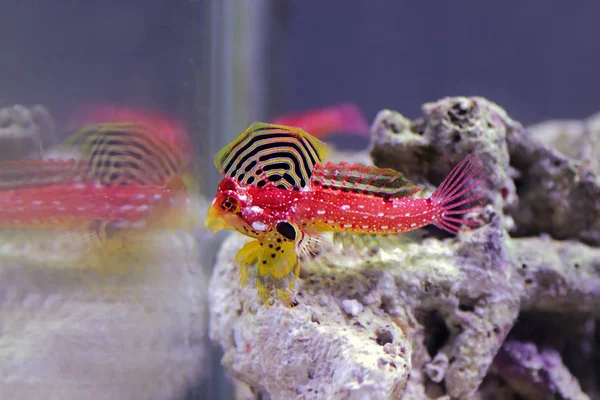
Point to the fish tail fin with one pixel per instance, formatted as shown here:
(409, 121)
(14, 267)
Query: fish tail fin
(460, 193)
(351, 119)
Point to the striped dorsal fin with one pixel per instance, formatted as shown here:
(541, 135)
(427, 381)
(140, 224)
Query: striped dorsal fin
(382, 182)
(126, 153)
(282, 155)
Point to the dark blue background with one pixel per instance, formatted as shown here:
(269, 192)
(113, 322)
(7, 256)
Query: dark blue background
(538, 59)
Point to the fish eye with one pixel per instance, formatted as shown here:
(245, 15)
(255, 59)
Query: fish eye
(229, 204)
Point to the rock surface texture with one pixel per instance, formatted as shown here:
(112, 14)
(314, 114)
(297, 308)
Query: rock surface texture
(477, 316)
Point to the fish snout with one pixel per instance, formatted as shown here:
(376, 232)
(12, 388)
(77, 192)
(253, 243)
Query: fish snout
(214, 220)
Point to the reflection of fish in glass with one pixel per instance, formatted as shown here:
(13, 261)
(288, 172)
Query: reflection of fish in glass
(158, 124)
(167, 127)
(126, 180)
(322, 122)
(278, 190)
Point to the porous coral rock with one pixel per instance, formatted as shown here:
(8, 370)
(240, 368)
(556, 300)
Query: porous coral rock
(313, 350)
(558, 195)
(536, 374)
(398, 292)
(448, 303)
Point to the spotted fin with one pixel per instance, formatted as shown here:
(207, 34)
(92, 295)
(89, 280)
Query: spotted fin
(21, 174)
(126, 153)
(277, 265)
(382, 182)
(282, 155)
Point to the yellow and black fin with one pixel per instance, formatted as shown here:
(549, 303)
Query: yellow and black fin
(282, 155)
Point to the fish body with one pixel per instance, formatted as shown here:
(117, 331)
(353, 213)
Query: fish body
(320, 209)
(78, 204)
(286, 214)
(341, 118)
(126, 177)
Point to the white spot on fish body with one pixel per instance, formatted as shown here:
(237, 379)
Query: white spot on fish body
(126, 207)
(80, 208)
(413, 225)
(321, 212)
(256, 209)
(407, 215)
(157, 196)
(36, 202)
(360, 206)
(259, 226)
(380, 214)
(347, 225)
(140, 196)
(365, 226)
(345, 207)
(384, 227)
(56, 203)
(142, 208)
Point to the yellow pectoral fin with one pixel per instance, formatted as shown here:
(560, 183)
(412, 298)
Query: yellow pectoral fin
(245, 257)
(276, 261)
(277, 264)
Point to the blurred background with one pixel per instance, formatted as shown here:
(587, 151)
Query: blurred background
(219, 65)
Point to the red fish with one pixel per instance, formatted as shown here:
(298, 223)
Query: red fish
(76, 204)
(126, 178)
(278, 190)
(342, 118)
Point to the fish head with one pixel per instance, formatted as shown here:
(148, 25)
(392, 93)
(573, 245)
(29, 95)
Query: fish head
(226, 210)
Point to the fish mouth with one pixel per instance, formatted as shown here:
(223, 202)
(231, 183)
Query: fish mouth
(214, 221)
